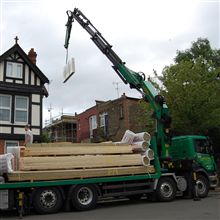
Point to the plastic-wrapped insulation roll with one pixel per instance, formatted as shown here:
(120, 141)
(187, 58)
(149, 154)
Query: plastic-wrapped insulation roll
(140, 146)
(145, 160)
(142, 136)
(149, 153)
(128, 137)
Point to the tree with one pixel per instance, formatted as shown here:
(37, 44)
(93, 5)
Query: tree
(144, 117)
(191, 87)
(199, 49)
(45, 137)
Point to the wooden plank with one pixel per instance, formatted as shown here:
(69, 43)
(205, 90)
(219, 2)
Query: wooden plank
(81, 173)
(73, 162)
(70, 144)
(76, 150)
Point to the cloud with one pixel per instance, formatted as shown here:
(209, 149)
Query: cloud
(145, 34)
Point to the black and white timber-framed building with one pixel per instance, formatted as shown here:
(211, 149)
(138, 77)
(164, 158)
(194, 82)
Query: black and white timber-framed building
(21, 96)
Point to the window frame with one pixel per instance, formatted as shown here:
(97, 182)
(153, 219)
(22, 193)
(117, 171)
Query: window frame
(121, 111)
(102, 118)
(21, 109)
(13, 142)
(92, 124)
(14, 70)
(7, 108)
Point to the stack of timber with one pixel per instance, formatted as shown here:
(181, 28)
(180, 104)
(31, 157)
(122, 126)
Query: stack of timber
(55, 161)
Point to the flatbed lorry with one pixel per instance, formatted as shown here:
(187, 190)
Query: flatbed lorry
(183, 165)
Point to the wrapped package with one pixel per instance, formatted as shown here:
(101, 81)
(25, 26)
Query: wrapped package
(6, 163)
(128, 137)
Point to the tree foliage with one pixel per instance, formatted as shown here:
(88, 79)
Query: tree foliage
(145, 120)
(45, 137)
(191, 87)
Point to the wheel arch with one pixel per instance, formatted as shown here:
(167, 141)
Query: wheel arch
(203, 172)
(169, 175)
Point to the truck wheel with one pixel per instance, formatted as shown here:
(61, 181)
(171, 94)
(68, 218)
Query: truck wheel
(166, 189)
(47, 200)
(84, 197)
(203, 186)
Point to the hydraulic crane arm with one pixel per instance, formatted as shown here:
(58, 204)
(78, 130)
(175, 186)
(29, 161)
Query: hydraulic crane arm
(134, 79)
(102, 44)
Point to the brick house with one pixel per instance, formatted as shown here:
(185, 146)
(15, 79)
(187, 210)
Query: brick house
(62, 129)
(21, 95)
(108, 120)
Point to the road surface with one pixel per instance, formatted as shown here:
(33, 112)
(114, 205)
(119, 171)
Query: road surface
(179, 209)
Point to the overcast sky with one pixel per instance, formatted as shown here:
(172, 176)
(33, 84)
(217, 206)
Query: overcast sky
(144, 33)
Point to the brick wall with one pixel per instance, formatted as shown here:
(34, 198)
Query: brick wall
(2, 144)
(123, 113)
(83, 132)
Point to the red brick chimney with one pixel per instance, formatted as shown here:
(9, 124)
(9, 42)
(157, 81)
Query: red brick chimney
(32, 56)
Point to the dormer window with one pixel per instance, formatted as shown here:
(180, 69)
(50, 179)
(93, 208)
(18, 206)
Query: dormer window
(14, 70)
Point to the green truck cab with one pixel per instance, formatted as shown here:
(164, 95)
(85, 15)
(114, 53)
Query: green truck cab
(199, 150)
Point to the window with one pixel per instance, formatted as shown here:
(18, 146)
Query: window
(5, 108)
(21, 109)
(104, 122)
(202, 146)
(14, 70)
(92, 124)
(121, 112)
(11, 144)
(103, 118)
(79, 127)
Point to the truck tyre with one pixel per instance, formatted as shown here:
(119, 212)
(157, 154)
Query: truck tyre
(203, 186)
(84, 197)
(166, 189)
(47, 200)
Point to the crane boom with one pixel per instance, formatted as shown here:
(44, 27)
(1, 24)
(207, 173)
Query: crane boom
(134, 79)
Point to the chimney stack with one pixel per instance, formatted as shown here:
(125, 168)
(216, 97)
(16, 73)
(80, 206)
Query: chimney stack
(32, 56)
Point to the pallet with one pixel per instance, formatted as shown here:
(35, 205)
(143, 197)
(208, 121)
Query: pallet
(80, 173)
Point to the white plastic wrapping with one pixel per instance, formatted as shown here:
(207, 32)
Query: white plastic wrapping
(128, 137)
(140, 146)
(142, 136)
(145, 160)
(6, 163)
(15, 151)
(149, 153)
